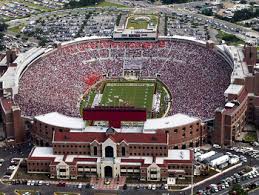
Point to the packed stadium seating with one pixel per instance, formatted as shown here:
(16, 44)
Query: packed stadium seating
(195, 75)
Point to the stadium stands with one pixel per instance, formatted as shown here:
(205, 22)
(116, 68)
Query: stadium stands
(196, 76)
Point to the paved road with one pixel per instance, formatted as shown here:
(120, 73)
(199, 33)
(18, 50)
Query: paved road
(255, 192)
(224, 192)
(48, 190)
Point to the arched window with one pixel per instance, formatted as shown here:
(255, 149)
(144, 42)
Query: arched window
(109, 151)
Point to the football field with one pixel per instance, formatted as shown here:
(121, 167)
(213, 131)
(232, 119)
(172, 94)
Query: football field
(135, 94)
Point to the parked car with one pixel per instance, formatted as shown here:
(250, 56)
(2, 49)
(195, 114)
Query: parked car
(61, 184)
(28, 182)
(79, 186)
(32, 183)
(125, 187)
(216, 146)
(200, 192)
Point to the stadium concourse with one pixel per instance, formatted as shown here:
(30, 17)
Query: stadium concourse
(196, 76)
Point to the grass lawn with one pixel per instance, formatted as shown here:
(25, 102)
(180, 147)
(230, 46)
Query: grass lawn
(229, 38)
(21, 192)
(109, 4)
(136, 22)
(16, 29)
(135, 94)
(22, 174)
(177, 188)
(250, 137)
(1, 193)
(66, 193)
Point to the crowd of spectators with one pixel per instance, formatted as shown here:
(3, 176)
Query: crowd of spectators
(196, 76)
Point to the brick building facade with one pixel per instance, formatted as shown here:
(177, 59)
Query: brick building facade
(110, 154)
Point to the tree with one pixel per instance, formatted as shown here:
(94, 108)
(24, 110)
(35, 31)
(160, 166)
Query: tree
(174, 1)
(243, 1)
(237, 190)
(207, 12)
(2, 46)
(43, 42)
(81, 3)
(3, 28)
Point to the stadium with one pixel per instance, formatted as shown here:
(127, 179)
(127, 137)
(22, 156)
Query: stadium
(195, 77)
(113, 107)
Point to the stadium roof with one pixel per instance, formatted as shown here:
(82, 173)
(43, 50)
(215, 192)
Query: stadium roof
(60, 120)
(234, 89)
(11, 76)
(169, 122)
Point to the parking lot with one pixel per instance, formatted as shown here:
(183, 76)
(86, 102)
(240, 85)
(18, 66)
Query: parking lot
(68, 27)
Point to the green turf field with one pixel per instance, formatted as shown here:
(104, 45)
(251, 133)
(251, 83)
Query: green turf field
(138, 22)
(135, 94)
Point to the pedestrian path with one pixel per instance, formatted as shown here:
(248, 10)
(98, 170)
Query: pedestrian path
(107, 184)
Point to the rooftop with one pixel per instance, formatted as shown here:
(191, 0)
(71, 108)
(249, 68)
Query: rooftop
(45, 152)
(60, 120)
(169, 122)
(240, 70)
(234, 89)
(123, 129)
(116, 137)
(174, 156)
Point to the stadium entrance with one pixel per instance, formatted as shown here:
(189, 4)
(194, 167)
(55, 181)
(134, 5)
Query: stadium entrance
(108, 171)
